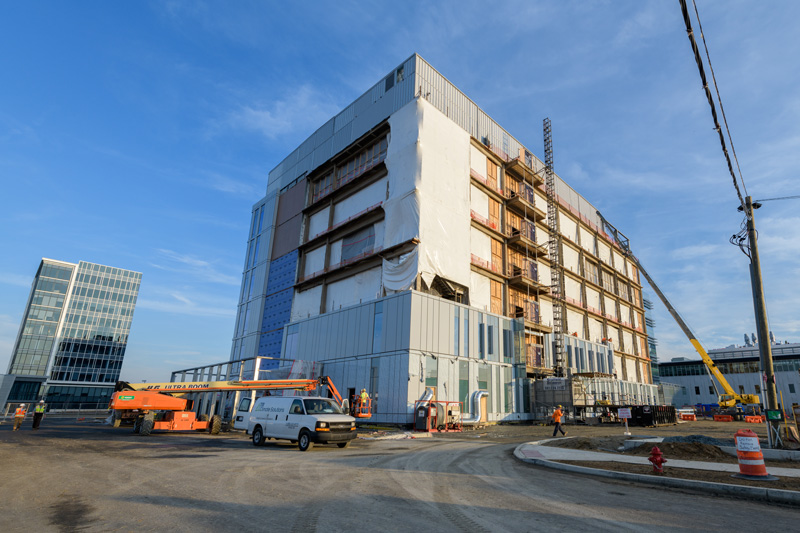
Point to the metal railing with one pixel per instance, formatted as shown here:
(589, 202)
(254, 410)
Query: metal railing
(57, 409)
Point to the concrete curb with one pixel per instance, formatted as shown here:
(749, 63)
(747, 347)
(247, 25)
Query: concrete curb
(788, 497)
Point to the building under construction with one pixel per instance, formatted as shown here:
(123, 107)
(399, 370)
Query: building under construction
(412, 242)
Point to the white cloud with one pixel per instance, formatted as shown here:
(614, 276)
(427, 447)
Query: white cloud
(197, 268)
(225, 184)
(303, 110)
(9, 326)
(18, 280)
(697, 251)
(177, 303)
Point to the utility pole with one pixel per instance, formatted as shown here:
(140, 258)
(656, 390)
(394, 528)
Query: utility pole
(762, 326)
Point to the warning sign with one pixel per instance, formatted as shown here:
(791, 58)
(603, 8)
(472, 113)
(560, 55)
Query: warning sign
(748, 444)
(555, 384)
(624, 412)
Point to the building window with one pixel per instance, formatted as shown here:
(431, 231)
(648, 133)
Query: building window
(758, 389)
(431, 372)
(357, 245)
(350, 169)
(373, 382)
(711, 389)
(741, 389)
(463, 385)
(481, 340)
(791, 388)
(466, 332)
(483, 377)
(508, 389)
(291, 341)
(697, 390)
(456, 336)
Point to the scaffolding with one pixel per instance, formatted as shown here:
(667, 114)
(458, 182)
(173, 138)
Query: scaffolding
(554, 249)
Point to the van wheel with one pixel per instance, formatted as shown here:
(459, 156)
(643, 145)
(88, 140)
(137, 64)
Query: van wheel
(304, 441)
(258, 436)
(343, 444)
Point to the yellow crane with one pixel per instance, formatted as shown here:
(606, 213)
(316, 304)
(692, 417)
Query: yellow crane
(729, 398)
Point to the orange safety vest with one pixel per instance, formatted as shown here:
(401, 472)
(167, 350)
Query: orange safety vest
(557, 416)
(19, 412)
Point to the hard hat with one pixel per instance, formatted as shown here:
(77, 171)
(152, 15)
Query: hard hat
(363, 390)
(22, 405)
(41, 401)
(559, 407)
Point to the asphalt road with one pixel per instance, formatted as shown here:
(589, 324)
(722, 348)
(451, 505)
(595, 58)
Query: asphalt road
(68, 477)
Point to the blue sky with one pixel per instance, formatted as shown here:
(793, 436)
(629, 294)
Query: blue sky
(139, 134)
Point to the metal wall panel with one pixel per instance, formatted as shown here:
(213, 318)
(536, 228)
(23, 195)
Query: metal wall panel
(432, 318)
(406, 320)
(306, 148)
(445, 334)
(352, 332)
(364, 336)
(364, 101)
(343, 118)
(324, 133)
(390, 315)
(342, 138)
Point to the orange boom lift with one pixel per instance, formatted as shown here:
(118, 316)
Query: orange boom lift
(159, 406)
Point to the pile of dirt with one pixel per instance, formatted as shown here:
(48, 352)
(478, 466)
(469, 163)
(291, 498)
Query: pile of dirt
(606, 444)
(689, 451)
(701, 439)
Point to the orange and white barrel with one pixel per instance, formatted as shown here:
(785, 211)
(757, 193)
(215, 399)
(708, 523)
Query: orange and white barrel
(748, 451)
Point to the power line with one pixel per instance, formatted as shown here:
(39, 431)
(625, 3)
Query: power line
(719, 98)
(687, 20)
(781, 198)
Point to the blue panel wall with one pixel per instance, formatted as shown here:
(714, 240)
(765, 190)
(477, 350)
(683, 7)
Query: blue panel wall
(277, 304)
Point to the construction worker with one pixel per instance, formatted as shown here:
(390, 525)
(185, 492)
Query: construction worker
(363, 400)
(557, 414)
(38, 414)
(19, 416)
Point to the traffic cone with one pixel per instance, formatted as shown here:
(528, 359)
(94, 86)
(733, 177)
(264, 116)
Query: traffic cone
(751, 460)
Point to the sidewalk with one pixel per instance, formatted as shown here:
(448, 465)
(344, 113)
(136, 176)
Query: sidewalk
(536, 453)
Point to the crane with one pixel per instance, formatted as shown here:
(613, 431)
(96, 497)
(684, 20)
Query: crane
(729, 398)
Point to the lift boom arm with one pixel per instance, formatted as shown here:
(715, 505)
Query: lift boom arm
(730, 397)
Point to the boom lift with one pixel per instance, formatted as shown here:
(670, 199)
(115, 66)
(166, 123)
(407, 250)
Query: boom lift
(142, 401)
(729, 398)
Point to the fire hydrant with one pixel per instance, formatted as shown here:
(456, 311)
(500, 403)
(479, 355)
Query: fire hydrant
(658, 461)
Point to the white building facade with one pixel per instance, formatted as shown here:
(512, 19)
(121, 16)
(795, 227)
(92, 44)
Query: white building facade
(404, 245)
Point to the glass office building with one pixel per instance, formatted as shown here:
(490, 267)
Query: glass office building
(73, 335)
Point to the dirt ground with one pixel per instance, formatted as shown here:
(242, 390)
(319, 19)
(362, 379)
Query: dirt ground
(784, 483)
(609, 438)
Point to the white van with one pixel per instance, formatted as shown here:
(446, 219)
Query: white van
(301, 419)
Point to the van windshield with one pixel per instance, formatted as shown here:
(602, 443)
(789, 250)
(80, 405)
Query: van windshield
(319, 406)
